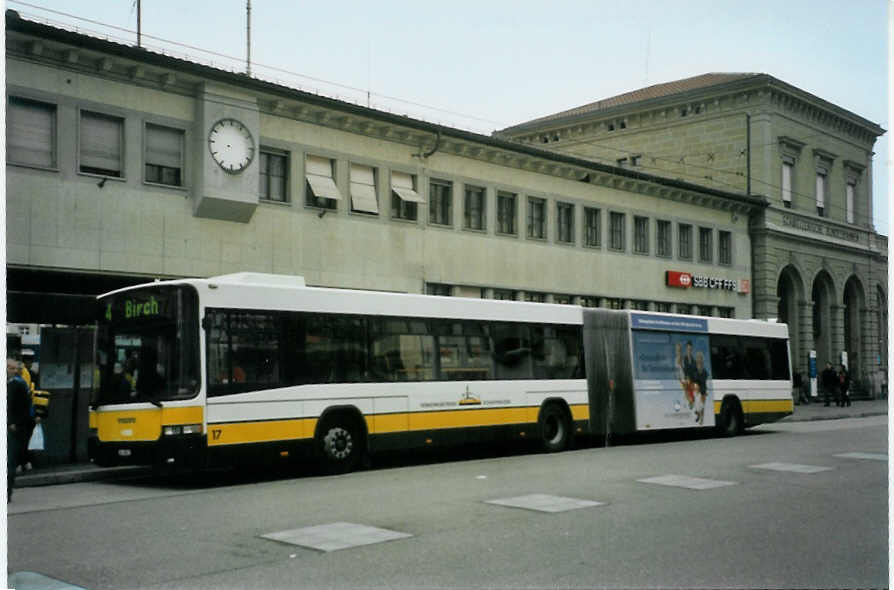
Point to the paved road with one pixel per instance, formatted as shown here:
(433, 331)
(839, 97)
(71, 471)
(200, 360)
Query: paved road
(760, 527)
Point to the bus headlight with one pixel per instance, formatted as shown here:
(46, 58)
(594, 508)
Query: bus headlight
(184, 429)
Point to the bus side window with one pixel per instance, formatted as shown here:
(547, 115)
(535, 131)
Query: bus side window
(512, 351)
(779, 358)
(757, 358)
(726, 357)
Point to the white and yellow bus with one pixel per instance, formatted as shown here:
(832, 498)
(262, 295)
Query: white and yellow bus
(248, 366)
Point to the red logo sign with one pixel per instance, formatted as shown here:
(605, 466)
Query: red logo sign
(675, 278)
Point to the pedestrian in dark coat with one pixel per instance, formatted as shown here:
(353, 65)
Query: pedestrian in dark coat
(829, 383)
(18, 420)
(844, 384)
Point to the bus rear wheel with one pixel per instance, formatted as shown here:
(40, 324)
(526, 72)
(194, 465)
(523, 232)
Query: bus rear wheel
(555, 428)
(730, 418)
(340, 444)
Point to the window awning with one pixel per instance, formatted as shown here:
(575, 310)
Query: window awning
(319, 176)
(363, 189)
(402, 185)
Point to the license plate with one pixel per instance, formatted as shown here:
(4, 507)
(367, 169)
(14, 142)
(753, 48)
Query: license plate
(124, 452)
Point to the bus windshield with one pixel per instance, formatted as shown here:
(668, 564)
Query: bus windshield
(148, 346)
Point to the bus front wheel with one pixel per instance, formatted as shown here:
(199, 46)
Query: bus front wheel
(555, 428)
(339, 442)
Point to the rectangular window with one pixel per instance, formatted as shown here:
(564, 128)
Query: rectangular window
(593, 221)
(614, 303)
(536, 218)
(404, 198)
(473, 210)
(506, 213)
(101, 146)
(504, 295)
(641, 234)
(725, 239)
(849, 189)
(440, 202)
(565, 221)
(663, 244)
(273, 176)
(705, 244)
(787, 168)
(617, 240)
(725, 312)
(401, 350)
(164, 155)
(364, 198)
(685, 241)
(562, 299)
(438, 289)
(535, 297)
(322, 191)
(821, 192)
(663, 307)
(589, 301)
(243, 351)
(31, 133)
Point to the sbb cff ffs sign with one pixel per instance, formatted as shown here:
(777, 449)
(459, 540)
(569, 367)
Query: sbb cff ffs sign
(685, 280)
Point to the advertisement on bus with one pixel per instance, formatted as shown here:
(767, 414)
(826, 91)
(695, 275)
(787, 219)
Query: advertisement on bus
(672, 379)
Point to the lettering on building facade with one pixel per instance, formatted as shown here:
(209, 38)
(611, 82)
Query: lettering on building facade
(820, 228)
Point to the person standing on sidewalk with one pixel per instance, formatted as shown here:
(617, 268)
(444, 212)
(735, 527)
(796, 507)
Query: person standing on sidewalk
(830, 384)
(844, 384)
(18, 418)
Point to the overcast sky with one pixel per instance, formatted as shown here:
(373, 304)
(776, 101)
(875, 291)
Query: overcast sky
(483, 65)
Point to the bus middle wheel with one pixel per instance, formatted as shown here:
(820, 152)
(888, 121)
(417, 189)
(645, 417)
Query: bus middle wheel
(340, 444)
(555, 428)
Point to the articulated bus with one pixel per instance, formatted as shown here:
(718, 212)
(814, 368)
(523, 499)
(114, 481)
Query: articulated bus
(253, 367)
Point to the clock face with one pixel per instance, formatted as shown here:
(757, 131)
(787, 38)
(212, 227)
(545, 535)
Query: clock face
(231, 145)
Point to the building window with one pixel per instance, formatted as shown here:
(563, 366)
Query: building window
(705, 310)
(641, 235)
(440, 202)
(705, 244)
(474, 210)
(663, 307)
(562, 299)
(438, 289)
(639, 305)
(404, 198)
(685, 241)
(589, 301)
(164, 155)
(31, 133)
(101, 145)
(322, 192)
(364, 197)
(616, 237)
(821, 192)
(593, 221)
(506, 213)
(535, 297)
(725, 244)
(663, 244)
(536, 218)
(504, 295)
(788, 166)
(565, 222)
(273, 176)
(614, 303)
(725, 312)
(849, 190)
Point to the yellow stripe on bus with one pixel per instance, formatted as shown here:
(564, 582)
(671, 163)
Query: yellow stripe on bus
(303, 428)
(761, 406)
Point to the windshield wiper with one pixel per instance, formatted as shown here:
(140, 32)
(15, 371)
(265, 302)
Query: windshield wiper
(149, 398)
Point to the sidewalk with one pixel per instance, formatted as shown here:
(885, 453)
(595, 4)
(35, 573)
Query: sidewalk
(72, 473)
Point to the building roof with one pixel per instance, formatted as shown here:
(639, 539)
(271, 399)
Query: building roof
(679, 88)
(654, 91)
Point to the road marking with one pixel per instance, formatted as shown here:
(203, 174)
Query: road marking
(35, 581)
(692, 483)
(872, 456)
(335, 536)
(545, 503)
(793, 467)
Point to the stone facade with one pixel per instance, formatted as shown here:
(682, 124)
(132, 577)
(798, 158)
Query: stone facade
(818, 263)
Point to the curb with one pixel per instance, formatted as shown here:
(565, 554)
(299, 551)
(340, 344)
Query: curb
(63, 476)
(793, 418)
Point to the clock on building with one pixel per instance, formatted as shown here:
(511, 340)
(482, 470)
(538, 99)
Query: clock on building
(231, 145)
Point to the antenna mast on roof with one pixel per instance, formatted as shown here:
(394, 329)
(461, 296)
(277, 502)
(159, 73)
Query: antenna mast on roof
(248, 37)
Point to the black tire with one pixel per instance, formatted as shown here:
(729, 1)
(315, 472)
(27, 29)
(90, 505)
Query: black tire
(730, 419)
(555, 428)
(340, 444)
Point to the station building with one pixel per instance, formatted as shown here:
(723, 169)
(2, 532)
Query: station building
(817, 262)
